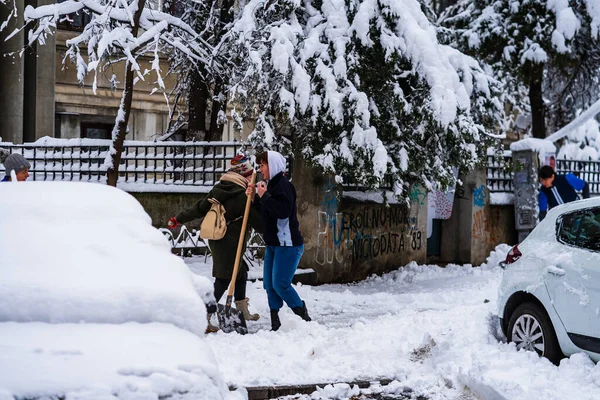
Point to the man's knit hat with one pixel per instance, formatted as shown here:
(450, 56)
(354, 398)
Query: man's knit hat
(241, 165)
(15, 162)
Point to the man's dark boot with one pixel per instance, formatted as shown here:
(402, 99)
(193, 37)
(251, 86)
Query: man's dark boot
(275, 322)
(302, 311)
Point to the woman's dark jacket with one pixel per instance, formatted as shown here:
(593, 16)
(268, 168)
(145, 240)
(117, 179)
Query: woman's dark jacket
(279, 215)
(233, 198)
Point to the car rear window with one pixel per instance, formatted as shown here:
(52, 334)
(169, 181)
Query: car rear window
(568, 227)
(589, 235)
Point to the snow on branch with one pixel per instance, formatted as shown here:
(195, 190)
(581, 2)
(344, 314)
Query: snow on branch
(109, 35)
(367, 88)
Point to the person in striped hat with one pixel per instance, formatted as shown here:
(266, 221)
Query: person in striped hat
(230, 191)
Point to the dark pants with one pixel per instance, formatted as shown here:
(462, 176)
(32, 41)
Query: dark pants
(221, 285)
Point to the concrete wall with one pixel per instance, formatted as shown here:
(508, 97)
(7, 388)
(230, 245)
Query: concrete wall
(162, 206)
(11, 76)
(78, 104)
(45, 81)
(348, 238)
(476, 227)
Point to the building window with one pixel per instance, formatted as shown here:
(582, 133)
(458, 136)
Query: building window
(96, 130)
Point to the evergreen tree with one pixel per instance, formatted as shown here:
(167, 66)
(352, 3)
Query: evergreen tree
(363, 89)
(544, 52)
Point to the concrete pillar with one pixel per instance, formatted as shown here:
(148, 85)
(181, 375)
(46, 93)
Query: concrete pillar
(525, 164)
(40, 73)
(476, 226)
(459, 239)
(11, 75)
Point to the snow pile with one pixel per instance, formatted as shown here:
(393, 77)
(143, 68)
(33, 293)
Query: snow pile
(72, 252)
(104, 361)
(541, 146)
(92, 300)
(433, 334)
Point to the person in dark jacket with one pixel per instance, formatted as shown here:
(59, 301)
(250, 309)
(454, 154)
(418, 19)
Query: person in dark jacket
(558, 189)
(231, 193)
(284, 243)
(15, 163)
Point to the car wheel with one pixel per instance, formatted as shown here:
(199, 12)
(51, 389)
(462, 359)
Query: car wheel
(530, 328)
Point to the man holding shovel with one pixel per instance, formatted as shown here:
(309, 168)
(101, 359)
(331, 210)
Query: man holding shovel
(231, 193)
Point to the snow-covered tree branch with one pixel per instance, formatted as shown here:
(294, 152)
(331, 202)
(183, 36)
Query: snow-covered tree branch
(121, 29)
(546, 53)
(364, 88)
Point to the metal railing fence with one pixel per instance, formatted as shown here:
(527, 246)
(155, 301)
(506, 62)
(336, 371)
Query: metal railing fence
(170, 163)
(500, 176)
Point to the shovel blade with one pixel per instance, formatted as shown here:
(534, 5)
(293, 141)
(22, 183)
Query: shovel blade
(231, 319)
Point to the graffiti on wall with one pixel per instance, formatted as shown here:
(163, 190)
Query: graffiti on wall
(416, 195)
(479, 195)
(371, 232)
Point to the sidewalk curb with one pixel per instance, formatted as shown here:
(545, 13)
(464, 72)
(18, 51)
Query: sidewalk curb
(271, 392)
(482, 390)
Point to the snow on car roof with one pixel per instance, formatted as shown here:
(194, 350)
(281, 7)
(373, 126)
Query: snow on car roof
(75, 252)
(572, 206)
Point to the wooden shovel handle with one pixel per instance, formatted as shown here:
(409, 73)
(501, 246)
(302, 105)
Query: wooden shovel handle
(238, 256)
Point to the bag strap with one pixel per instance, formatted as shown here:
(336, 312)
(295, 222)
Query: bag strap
(212, 200)
(237, 219)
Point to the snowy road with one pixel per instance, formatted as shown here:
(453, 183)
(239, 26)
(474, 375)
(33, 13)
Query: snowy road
(424, 326)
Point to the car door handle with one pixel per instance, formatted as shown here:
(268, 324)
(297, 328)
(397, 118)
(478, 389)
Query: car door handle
(556, 270)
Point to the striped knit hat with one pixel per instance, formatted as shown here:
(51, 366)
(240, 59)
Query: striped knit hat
(241, 165)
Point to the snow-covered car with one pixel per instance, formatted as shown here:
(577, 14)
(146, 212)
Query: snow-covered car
(92, 302)
(549, 298)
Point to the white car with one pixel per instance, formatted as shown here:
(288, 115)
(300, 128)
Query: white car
(549, 298)
(93, 305)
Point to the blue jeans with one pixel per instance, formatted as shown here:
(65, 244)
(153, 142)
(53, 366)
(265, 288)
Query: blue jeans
(280, 265)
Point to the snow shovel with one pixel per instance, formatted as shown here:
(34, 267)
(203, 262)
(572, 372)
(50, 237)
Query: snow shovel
(233, 320)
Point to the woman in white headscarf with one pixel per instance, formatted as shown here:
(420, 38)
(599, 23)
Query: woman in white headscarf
(284, 243)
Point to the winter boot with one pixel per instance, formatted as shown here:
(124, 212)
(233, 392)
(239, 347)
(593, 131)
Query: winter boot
(275, 322)
(242, 305)
(302, 311)
(210, 328)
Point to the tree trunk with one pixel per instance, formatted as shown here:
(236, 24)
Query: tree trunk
(197, 102)
(536, 100)
(202, 89)
(112, 175)
(215, 131)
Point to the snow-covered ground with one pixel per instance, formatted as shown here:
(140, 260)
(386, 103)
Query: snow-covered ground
(429, 328)
(93, 306)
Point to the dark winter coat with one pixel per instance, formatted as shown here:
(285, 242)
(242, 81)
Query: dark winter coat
(279, 214)
(233, 198)
(563, 190)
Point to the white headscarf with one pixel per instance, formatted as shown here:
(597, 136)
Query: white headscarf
(276, 163)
